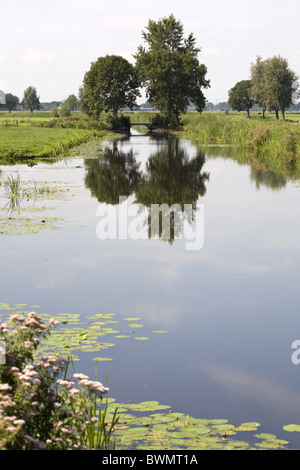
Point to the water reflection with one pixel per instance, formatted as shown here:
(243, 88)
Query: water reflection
(268, 179)
(112, 175)
(171, 180)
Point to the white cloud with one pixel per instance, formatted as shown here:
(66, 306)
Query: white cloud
(251, 386)
(35, 56)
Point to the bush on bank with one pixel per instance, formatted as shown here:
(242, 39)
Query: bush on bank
(40, 408)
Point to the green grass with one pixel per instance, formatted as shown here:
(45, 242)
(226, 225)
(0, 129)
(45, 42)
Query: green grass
(40, 142)
(269, 144)
(274, 143)
(42, 136)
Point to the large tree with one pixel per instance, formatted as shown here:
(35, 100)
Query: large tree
(239, 97)
(279, 81)
(272, 84)
(11, 102)
(31, 101)
(169, 69)
(259, 89)
(110, 85)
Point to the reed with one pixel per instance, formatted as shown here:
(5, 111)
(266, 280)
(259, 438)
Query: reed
(275, 143)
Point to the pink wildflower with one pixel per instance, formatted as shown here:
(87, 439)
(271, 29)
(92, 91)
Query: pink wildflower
(5, 387)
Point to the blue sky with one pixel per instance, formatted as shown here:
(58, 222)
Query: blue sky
(51, 44)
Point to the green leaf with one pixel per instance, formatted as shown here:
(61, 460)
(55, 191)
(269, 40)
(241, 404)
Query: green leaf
(292, 427)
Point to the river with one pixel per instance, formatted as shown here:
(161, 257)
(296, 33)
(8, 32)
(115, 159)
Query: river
(221, 286)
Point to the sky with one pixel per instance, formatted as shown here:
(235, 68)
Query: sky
(51, 44)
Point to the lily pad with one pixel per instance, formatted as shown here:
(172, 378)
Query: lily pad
(292, 427)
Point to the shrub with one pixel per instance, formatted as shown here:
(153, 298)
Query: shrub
(55, 111)
(39, 407)
(162, 121)
(290, 144)
(121, 123)
(258, 136)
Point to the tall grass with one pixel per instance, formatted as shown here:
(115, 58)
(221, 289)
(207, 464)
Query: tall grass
(276, 143)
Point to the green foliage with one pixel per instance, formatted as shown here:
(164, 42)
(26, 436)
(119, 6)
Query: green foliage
(273, 143)
(170, 69)
(65, 109)
(272, 84)
(258, 136)
(30, 100)
(11, 102)
(240, 96)
(160, 121)
(40, 408)
(47, 137)
(110, 85)
(119, 123)
(55, 111)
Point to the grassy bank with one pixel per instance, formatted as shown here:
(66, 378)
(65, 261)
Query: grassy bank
(276, 144)
(272, 144)
(40, 136)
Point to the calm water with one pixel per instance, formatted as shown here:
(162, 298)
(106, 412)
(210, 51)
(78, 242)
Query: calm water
(231, 308)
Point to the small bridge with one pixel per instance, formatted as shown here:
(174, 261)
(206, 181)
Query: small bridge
(139, 123)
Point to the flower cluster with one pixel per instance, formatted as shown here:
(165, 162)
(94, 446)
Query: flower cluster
(39, 409)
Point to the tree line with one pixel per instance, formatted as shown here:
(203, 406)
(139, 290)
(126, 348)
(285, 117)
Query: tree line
(167, 67)
(272, 86)
(31, 102)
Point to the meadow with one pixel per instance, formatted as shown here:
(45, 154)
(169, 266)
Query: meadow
(39, 135)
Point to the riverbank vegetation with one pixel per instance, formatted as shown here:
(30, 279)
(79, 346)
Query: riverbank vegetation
(44, 136)
(40, 407)
(274, 143)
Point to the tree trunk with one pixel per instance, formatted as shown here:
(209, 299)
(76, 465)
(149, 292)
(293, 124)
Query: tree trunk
(276, 113)
(283, 114)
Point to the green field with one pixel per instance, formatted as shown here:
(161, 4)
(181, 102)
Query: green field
(40, 142)
(23, 135)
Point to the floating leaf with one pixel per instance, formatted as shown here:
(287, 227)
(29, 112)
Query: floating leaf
(147, 406)
(265, 435)
(292, 427)
(131, 319)
(102, 359)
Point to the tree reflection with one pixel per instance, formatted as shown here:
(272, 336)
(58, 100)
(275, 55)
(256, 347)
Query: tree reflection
(167, 191)
(173, 181)
(114, 174)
